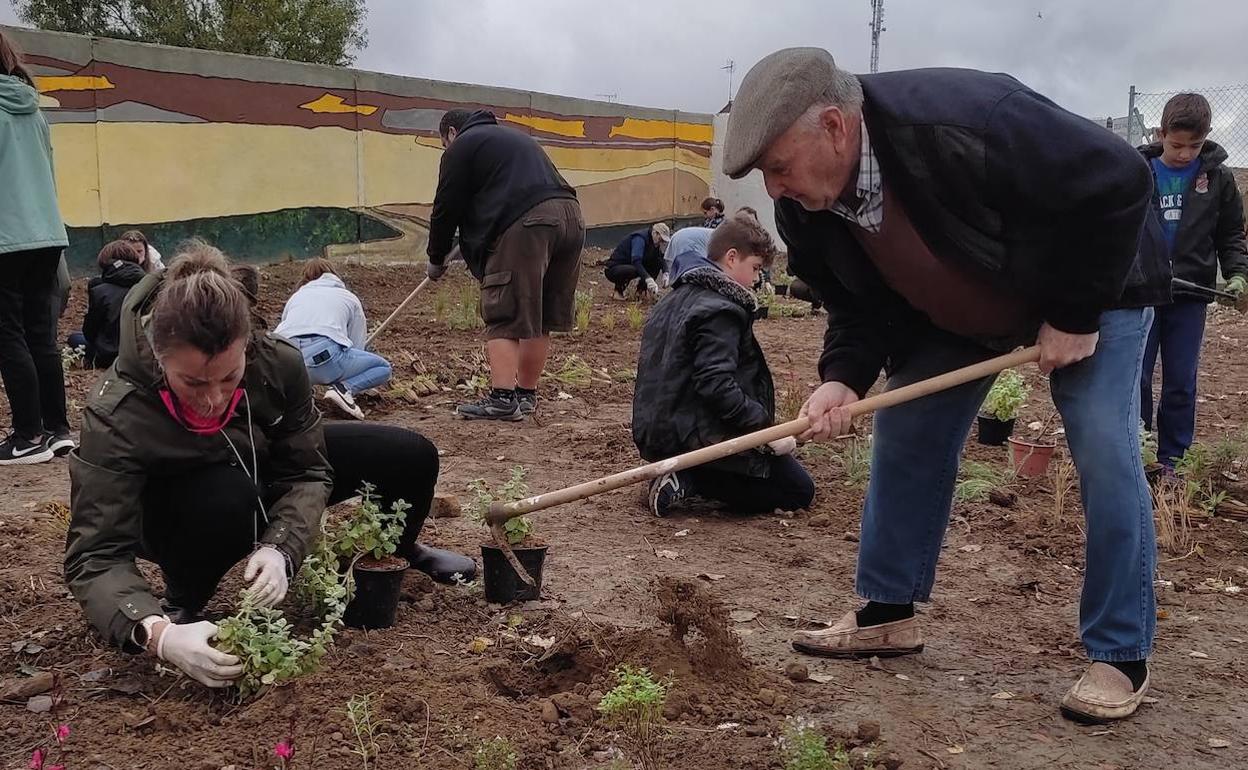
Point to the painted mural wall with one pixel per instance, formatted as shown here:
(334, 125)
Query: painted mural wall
(273, 159)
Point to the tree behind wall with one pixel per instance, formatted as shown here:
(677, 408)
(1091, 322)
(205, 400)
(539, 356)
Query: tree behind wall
(318, 31)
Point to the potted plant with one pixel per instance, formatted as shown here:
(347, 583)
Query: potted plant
(1001, 406)
(502, 584)
(366, 541)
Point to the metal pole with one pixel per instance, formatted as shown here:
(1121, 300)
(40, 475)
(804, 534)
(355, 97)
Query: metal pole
(1131, 134)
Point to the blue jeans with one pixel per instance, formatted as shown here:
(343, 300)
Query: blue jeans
(914, 465)
(789, 487)
(1177, 332)
(354, 368)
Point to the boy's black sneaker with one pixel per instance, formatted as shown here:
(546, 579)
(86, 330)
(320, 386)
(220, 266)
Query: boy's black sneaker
(527, 400)
(496, 405)
(665, 491)
(15, 450)
(61, 443)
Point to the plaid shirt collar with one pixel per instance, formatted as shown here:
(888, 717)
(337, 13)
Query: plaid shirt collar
(869, 213)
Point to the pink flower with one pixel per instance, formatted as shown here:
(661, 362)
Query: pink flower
(36, 760)
(62, 732)
(284, 749)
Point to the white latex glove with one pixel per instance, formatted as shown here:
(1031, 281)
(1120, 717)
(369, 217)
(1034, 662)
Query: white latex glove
(783, 446)
(268, 566)
(187, 647)
(651, 286)
(664, 279)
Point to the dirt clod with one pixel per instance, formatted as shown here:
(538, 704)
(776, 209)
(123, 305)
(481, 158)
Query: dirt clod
(444, 506)
(550, 712)
(797, 671)
(684, 606)
(868, 732)
(822, 520)
(767, 696)
(19, 689)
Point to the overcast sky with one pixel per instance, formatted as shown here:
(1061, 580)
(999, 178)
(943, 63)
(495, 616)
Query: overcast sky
(667, 53)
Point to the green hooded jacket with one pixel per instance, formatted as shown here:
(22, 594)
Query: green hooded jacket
(29, 215)
(129, 437)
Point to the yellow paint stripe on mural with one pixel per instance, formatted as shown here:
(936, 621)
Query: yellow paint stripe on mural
(335, 105)
(606, 159)
(50, 83)
(664, 129)
(571, 128)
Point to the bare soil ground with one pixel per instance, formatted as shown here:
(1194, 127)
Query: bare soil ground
(1002, 629)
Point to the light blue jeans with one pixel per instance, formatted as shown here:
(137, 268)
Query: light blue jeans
(914, 465)
(354, 368)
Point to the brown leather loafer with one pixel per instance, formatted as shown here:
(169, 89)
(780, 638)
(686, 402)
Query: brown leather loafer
(1102, 694)
(846, 640)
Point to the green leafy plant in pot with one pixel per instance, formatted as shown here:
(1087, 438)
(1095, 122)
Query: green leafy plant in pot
(367, 540)
(1001, 407)
(502, 584)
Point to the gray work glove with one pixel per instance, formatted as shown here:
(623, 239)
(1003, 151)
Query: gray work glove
(435, 271)
(651, 286)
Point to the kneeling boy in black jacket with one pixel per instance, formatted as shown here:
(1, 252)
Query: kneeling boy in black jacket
(702, 379)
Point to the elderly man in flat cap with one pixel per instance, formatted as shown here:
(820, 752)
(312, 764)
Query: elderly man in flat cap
(946, 216)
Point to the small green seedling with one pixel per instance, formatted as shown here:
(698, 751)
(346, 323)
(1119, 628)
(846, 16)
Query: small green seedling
(465, 313)
(977, 482)
(1006, 397)
(855, 462)
(608, 321)
(573, 370)
(1148, 446)
(634, 707)
(369, 531)
(364, 726)
(584, 310)
(634, 315)
(72, 358)
(517, 529)
(495, 754)
(804, 747)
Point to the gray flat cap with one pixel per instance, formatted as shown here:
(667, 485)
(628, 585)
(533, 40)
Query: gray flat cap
(775, 92)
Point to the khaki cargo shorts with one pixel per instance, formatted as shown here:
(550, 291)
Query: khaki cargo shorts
(529, 286)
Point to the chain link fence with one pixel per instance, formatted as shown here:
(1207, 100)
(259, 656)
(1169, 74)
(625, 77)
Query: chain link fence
(1230, 119)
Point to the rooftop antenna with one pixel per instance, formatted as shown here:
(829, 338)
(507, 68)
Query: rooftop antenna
(730, 68)
(877, 27)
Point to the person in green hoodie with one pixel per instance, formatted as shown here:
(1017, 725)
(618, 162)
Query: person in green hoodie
(202, 447)
(32, 237)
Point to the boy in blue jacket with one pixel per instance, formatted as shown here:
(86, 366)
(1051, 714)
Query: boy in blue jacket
(1202, 217)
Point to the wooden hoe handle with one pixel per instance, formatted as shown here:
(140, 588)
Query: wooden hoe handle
(501, 512)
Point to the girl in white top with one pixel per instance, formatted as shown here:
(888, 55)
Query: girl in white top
(327, 322)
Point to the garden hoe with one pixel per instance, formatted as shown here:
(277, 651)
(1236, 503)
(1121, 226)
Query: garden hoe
(1237, 301)
(500, 512)
(396, 312)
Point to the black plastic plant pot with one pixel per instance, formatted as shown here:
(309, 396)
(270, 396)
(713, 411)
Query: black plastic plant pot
(782, 290)
(762, 312)
(502, 584)
(994, 432)
(376, 600)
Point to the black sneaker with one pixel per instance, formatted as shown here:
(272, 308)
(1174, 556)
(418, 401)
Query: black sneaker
(493, 406)
(338, 395)
(15, 450)
(665, 491)
(61, 443)
(528, 402)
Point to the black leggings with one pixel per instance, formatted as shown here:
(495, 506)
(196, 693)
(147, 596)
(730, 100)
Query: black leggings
(198, 525)
(30, 362)
(621, 275)
(789, 487)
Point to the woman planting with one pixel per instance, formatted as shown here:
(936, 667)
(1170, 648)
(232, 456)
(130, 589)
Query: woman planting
(201, 446)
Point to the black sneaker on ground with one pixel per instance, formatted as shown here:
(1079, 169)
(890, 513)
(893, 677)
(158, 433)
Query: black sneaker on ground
(665, 491)
(528, 401)
(61, 443)
(338, 395)
(495, 405)
(15, 450)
